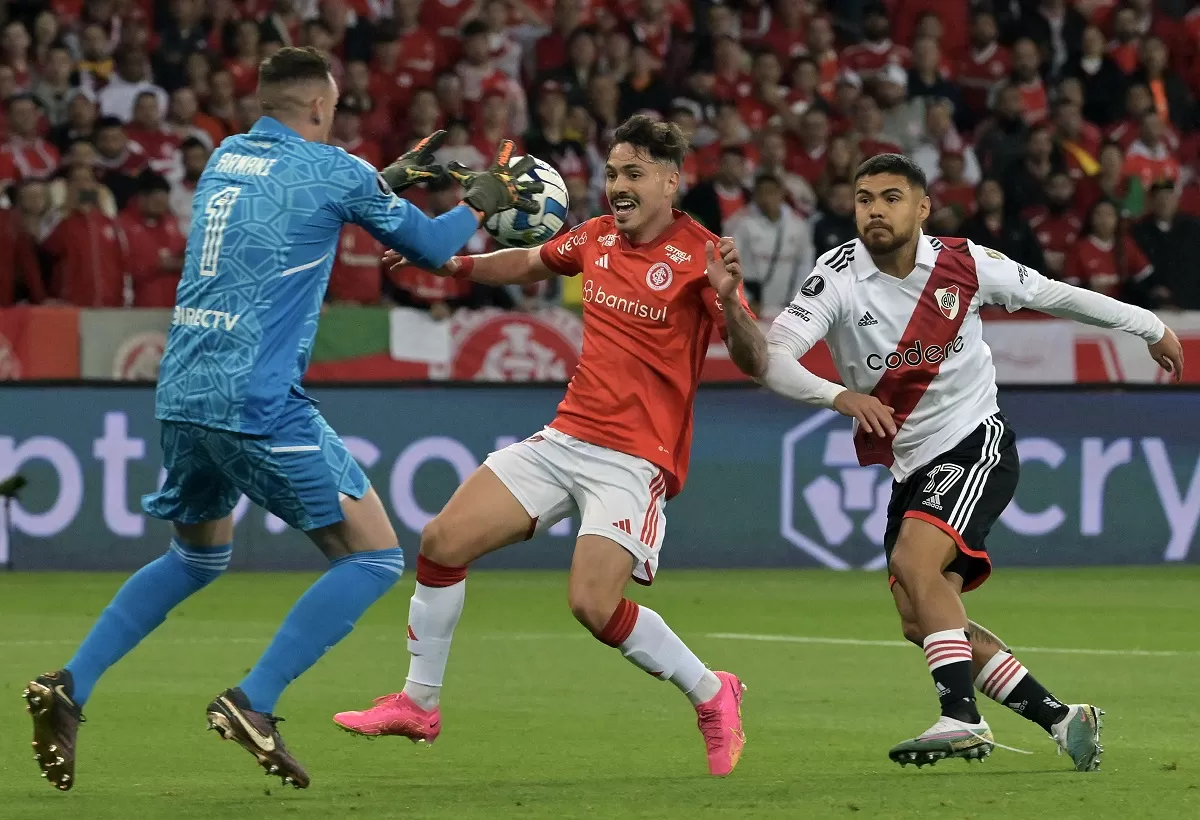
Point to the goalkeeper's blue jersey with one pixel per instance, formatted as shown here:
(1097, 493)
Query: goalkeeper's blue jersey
(267, 214)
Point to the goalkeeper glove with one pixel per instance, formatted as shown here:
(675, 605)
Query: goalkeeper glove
(497, 188)
(417, 165)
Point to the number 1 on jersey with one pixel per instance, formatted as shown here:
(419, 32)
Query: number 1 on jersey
(216, 214)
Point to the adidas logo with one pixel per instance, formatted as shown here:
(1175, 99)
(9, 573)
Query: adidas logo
(933, 502)
(602, 262)
(867, 320)
(623, 524)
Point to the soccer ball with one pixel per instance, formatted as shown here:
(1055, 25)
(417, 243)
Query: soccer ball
(517, 229)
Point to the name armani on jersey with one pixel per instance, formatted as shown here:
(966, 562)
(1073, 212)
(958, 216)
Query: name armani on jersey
(244, 165)
(915, 355)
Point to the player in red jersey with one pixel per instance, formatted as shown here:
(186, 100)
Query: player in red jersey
(616, 451)
(899, 312)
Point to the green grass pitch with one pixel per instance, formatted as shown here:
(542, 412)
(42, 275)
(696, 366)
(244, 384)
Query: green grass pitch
(542, 721)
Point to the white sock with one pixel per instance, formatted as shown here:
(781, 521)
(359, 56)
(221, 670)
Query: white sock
(1000, 676)
(432, 615)
(654, 648)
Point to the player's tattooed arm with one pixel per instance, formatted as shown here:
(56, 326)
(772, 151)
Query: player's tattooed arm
(745, 340)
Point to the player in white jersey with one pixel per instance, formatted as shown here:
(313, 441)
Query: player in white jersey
(899, 311)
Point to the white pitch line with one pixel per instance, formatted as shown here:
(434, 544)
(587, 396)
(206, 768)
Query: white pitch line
(1050, 650)
(399, 636)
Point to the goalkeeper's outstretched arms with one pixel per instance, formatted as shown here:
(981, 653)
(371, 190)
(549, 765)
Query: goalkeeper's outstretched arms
(430, 242)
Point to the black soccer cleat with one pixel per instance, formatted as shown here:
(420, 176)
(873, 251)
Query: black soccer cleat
(230, 714)
(50, 700)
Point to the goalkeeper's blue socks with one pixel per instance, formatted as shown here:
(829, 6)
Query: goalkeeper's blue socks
(141, 605)
(323, 616)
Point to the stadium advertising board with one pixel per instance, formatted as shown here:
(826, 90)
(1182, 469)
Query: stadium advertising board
(1108, 478)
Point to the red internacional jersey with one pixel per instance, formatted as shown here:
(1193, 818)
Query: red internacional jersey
(648, 316)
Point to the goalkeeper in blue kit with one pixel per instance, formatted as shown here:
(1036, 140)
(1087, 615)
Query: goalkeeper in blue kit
(269, 209)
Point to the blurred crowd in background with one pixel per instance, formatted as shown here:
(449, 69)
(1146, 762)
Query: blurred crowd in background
(1062, 133)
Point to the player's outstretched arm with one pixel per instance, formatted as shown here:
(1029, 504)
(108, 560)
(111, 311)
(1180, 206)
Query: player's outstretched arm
(512, 266)
(1091, 308)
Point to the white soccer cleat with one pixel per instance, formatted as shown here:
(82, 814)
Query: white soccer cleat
(946, 738)
(1078, 734)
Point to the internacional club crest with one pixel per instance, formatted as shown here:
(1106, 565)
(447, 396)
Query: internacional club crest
(660, 276)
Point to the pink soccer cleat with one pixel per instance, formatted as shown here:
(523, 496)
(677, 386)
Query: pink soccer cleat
(394, 715)
(720, 721)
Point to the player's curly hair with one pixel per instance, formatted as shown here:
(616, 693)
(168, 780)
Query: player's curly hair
(663, 141)
(897, 164)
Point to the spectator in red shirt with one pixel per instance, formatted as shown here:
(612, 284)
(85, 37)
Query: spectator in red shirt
(25, 155)
(159, 144)
(424, 117)
(1056, 224)
(154, 244)
(786, 35)
(730, 132)
(377, 115)
(186, 121)
(808, 160)
(1124, 46)
(21, 277)
(768, 104)
(868, 129)
(15, 43)
(806, 80)
(492, 127)
(357, 277)
(393, 80)
(411, 286)
(87, 248)
(347, 132)
(550, 52)
(985, 66)
(1107, 260)
(733, 83)
(877, 51)
(222, 101)
(1027, 65)
(951, 189)
(1150, 158)
(243, 65)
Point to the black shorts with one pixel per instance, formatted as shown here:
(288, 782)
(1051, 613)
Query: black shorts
(961, 492)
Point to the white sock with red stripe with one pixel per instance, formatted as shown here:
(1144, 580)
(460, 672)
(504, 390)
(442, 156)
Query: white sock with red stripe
(1000, 676)
(433, 612)
(1005, 680)
(649, 644)
(948, 654)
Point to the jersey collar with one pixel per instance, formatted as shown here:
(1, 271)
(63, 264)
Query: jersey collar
(270, 125)
(864, 267)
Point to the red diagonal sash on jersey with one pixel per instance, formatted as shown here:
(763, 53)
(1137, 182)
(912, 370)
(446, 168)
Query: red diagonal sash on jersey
(901, 389)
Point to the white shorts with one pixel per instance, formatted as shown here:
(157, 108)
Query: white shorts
(618, 496)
